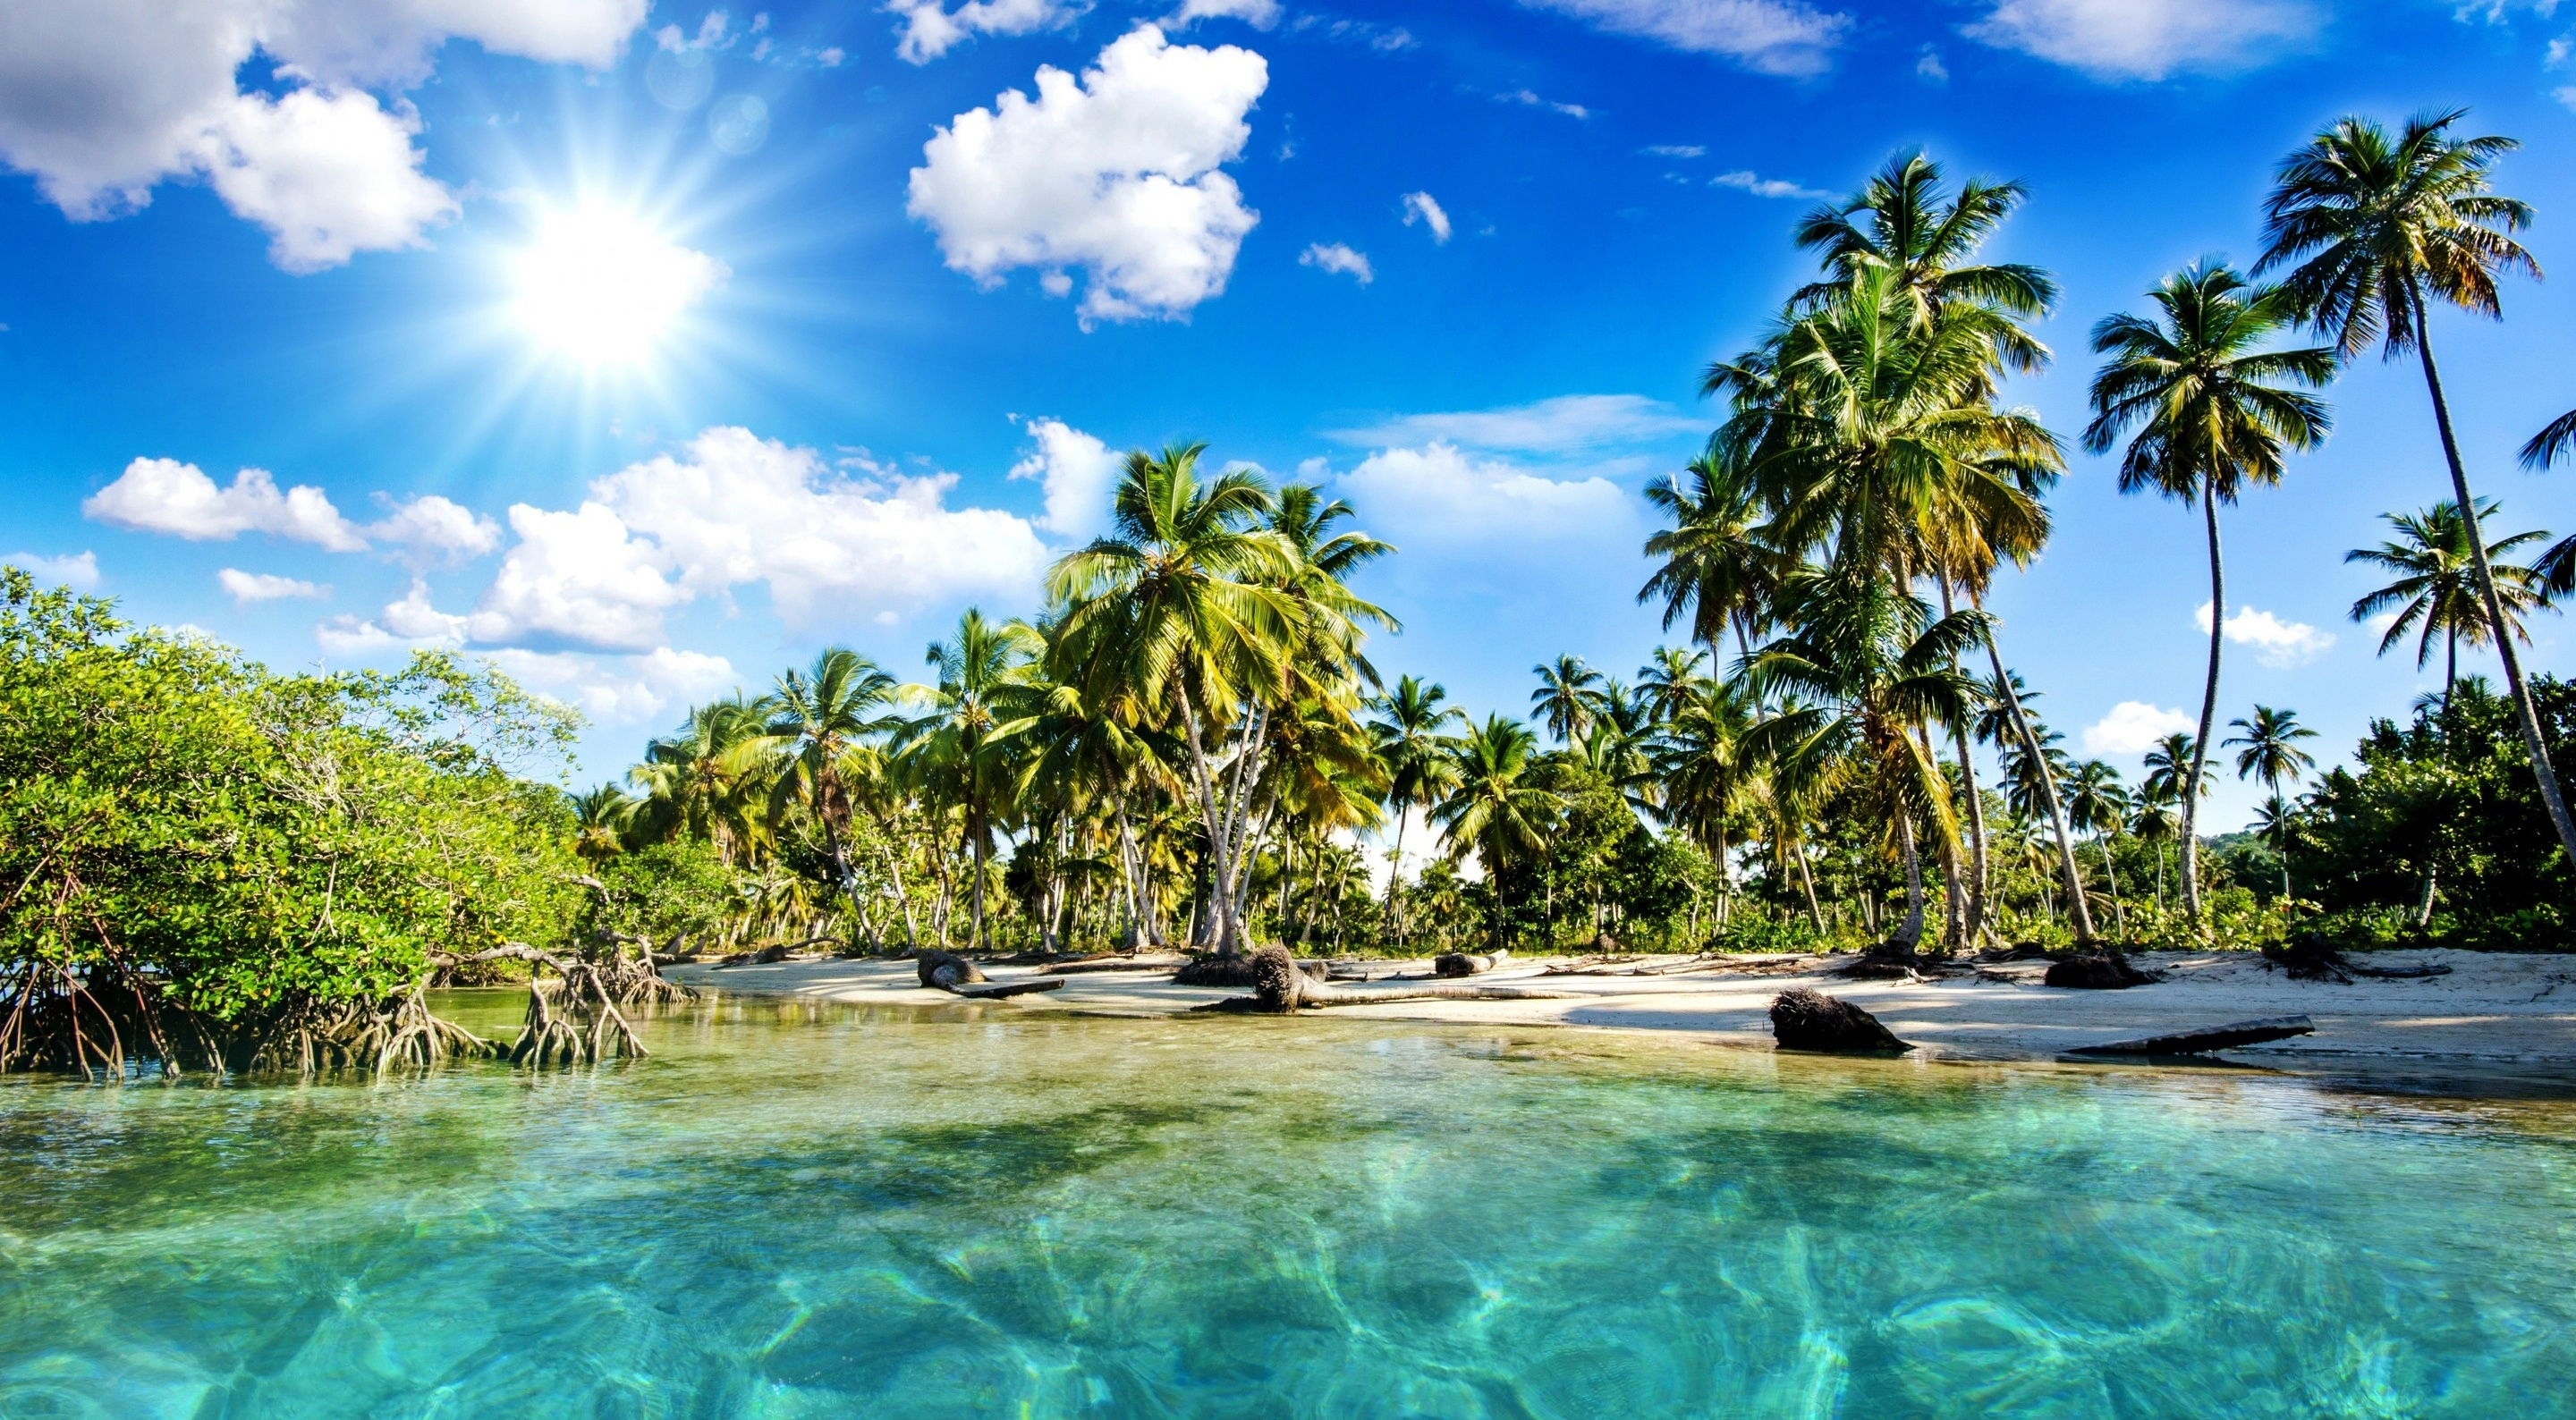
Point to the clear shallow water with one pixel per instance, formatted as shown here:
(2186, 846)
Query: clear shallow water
(797, 1211)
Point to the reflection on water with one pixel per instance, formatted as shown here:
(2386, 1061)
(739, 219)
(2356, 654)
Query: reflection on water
(807, 1210)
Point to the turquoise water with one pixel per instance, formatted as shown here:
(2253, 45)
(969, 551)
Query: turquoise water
(796, 1211)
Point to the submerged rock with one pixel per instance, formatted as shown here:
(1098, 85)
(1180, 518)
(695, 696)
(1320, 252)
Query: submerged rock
(1812, 1020)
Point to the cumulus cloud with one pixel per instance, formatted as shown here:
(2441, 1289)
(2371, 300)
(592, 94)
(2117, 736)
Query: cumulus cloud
(621, 690)
(1260, 14)
(1114, 173)
(79, 571)
(1564, 425)
(1761, 186)
(248, 587)
(167, 496)
(1530, 98)
(1078, 472)
(575, 578)
(101, 100)
(1421, 207)
(2134, 727)
(410, 623)
(2149, 39)
(930, 29)
(431, 528)
(1339, 260)
(2277, 643)
(1768, 36)
(1437, 495)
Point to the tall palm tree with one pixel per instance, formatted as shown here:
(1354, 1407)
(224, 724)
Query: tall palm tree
(959, 746)
(2213, 415)
(1668, 680)
(2437, 593)
(1181, 608)
(703, 781)
(1568, 696)
(2152, 820)
(2270, 752)
(1710, 774)
(2379, 227)
(601, 819)
(1716, 571)
(1494, 807)
(2096, 803)
(818, 719)
(1413, 743)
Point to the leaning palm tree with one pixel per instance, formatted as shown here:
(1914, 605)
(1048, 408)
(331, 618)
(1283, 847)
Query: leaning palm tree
(817, 720)
(2213, 414)
(2437, 593)
(1567, 698)
(1413, 743)
(2379, 227)
(2270, 752)
(1181, 610)
(1494, 808)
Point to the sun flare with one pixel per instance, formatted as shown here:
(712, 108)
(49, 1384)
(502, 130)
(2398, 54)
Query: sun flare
(599, 287)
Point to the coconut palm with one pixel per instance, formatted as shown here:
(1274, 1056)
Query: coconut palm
(1709, 774)
(1568, 696)
(1715, 571)
(1494, 809)
(2436, 592)
(2213, 414)
(2270, 752)
(2097, 804)
(2375, 228)
(817, 720)
(958, 750)
(1668, 680)
(601, 819)
(2152, 820)
(1413, 743)
(705, 780)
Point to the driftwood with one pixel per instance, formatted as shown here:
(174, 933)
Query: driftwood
(2098, 971)
(949, 972)
(2312, 958)
(1812, 1020)
(1455, 964)
(1281, 986)
(1002, 989)
(2195, 1042)
(1116, 963)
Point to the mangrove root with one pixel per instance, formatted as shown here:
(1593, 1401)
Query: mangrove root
(2197, 1042)
(1812, 1020)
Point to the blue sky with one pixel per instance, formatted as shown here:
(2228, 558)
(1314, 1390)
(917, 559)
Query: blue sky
(864, 301)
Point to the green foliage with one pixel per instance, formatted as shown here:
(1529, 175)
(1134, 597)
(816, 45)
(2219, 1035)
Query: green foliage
(664, 892)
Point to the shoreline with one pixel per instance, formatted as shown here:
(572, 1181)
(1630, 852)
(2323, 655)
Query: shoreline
(2494, 1008)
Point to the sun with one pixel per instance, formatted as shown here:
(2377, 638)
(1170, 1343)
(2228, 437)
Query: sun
(599, 287)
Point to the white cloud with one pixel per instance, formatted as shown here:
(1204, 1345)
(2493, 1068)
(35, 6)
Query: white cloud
(1675, 150)
(1338, 259)
(1437, 495)
(579, 578)
(1260, 14)
(409, 624)
(1529, 98)
(2134, 727)
(2277, 643)
(1079, 472)
(1421, 207)
(1929, 67)
(1771, 36)
(2149, 39)
(167, 496)
(431, 528)
(248, 587)
(930, 29)
(620, 690)
(78, 571)
(1566, 424)
(1115, 173)
(1761, 186)
(103, 99)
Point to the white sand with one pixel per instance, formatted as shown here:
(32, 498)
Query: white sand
(2500, 1008)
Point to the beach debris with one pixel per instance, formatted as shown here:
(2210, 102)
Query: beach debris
(2312, 958)
(949, 972)
(2098, 971)
(1165, 961)
(1454, 964)
(1281, 985)
(1812, 1020)
(2200, 1042)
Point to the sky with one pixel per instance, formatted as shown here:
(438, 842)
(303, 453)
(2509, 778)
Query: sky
(649, 348)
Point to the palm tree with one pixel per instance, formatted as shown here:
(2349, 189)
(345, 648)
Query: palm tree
(1668, 680)
(601, 819)
(2096, 803)
(2212, 416)
(959, 748)
(1716, 571)
(1709, 773)
(1494, 808)
(817, 720)
(2271, 753)
(1419, 759)
(2151, 820)
(1567, 698)
(1181, 608)
(2379, 227)
(702, 781)
(2436, 591)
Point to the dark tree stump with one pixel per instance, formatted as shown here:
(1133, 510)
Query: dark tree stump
(1811, 1020)
(945, 971)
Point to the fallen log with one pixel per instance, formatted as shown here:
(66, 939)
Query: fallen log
(2197, 1042)
(1136, 963)
(1454, 964)
(2312, 958)
(1000, 990)
(1281, 986)
(1812, 1020)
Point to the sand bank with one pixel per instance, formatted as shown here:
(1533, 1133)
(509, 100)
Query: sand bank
(2499, 1008)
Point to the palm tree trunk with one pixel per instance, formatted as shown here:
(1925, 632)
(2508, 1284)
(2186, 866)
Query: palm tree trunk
(1216, 826)
(2424, 909)
(1395, 872)
(2111, 874)
(1972, 917)
(1807, 885)
(1909, 934)
(2082, 915)
(2208, 713)
(2524, 710)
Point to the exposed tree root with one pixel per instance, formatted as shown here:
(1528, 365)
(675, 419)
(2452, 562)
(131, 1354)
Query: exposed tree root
(1811, 1020)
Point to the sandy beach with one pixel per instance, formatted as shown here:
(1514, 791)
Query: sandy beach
(2497, 1008)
